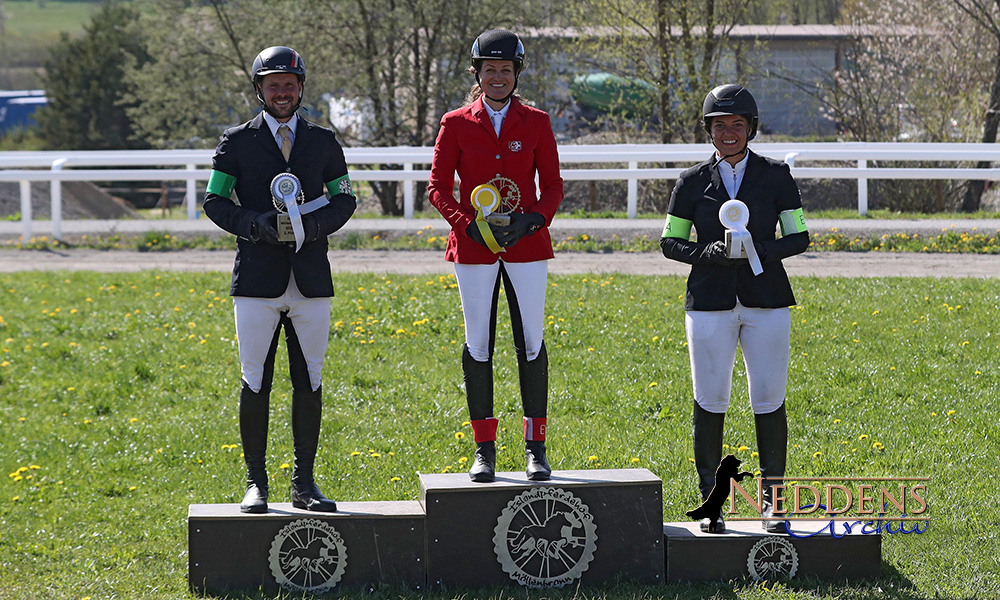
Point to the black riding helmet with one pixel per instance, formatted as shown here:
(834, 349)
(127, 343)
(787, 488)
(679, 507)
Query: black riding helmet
(277, 59)
(730, 99)
(498, 44)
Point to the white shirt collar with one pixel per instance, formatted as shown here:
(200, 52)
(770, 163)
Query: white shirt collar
(732, 175)
(273, 125)
(491, 112)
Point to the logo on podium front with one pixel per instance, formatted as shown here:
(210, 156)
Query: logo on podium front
(772, 558)
(308, 555)
(545, 537)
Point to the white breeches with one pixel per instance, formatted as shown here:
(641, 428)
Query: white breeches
(479, 288)
(762, 333)
(257, 321)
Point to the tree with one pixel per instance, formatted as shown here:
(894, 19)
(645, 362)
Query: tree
(676, 45)
(84, 81)
(903, 80)
(986, 15)
(198, 81)
(405, 61)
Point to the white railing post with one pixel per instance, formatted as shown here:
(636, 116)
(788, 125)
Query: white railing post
(26, 210)
(55, 197)
(408, 193)
(862, 189)
(633, 191)
(790, 159)
(189, 198)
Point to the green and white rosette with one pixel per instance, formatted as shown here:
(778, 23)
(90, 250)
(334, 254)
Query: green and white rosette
(286, 190)
(734, 216)
(486, 199)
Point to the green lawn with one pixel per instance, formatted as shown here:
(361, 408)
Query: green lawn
(31, 26)
(118, 409)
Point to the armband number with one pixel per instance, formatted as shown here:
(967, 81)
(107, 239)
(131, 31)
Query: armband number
(676, 227)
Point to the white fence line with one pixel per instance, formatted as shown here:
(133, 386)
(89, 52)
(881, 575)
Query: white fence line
(192, 166)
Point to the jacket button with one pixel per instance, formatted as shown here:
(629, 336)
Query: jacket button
(498, 157)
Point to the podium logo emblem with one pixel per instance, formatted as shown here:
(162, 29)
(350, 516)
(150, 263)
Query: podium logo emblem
(545, 537)
(308, 555)
(773, 558)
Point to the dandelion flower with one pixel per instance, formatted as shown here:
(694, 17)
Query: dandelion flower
(462, 460)
(459, 435)
(592, 457)
(817, 454)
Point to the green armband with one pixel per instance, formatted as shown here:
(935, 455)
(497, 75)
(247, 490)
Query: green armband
(676, 227)
(341, 185)
(792, 221)
(221, 184)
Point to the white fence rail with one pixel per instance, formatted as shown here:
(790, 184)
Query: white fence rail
(628, 162)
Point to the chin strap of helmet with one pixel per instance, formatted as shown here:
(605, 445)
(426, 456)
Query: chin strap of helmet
(721, 158)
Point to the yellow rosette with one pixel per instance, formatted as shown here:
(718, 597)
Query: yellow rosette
(486, 199)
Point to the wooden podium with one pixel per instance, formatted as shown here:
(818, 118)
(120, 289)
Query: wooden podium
(364, 543)
(746, 550)
(580, 526)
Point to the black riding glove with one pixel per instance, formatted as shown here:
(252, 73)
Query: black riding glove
(311, 228)
(473, 232)
(264, 228)
(521, 224)
(716, 253)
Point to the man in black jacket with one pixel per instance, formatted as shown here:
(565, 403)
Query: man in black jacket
(279, 283)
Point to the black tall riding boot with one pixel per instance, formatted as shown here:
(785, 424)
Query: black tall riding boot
(534, 380)
(253, 434)
(307, 413)
(772, 445)
(707, 434)
(479, 395)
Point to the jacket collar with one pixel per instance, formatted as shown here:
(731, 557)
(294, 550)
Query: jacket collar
(717, 190)
(514, 114)
(266, 139)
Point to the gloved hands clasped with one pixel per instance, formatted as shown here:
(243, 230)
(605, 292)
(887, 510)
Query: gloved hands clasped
(716, 253)
(521, 224)
(264, 228)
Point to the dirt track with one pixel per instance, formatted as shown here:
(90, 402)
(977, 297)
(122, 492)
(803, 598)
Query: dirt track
(820, 264)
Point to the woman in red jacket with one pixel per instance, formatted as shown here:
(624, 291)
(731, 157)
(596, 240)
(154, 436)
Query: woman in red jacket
(499, 232)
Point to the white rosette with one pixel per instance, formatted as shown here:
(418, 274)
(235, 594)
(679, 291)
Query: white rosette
(286, 189)
(734, 216)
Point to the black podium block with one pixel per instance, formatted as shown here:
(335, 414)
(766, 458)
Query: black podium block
(746, 550)
(586, 526)
(364, 543)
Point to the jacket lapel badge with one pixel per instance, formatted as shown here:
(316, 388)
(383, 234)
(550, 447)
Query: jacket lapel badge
(514, 146)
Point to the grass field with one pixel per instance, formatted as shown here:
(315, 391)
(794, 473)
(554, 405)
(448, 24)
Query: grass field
(118, 409)
(30, 27)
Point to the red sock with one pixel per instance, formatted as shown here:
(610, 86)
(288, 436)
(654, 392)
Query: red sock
(534, 429)
(485, 430)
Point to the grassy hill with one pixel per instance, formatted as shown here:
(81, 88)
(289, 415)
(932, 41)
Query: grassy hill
(29, 28)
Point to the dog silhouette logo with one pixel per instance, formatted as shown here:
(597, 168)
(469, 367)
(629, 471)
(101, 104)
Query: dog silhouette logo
(308, 555)
(711, 508)
(545, 537)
